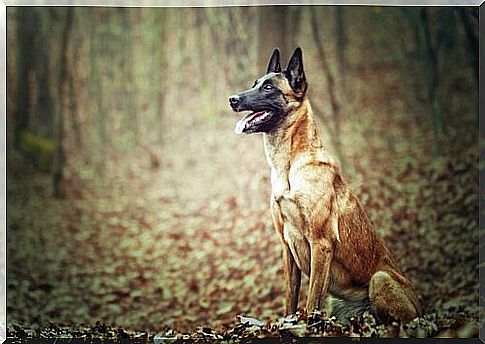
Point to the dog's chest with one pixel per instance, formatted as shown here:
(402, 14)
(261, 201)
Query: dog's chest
(293, 229)
(279, 184)
(288, 206)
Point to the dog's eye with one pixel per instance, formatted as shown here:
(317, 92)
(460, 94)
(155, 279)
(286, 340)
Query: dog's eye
(268, 87)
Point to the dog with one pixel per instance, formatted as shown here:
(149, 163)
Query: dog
(324, 230)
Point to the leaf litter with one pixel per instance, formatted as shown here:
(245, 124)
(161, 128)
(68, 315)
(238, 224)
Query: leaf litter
(189, 250)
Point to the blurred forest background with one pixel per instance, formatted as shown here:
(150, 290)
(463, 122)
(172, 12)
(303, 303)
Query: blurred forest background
(131, 201)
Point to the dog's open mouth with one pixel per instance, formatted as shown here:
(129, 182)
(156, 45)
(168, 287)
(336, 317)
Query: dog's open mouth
(251, 122)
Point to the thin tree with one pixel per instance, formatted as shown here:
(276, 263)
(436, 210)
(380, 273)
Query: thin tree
(25, 66)
(60, 154)
(279, 27)
(72, 86)
(96, 79)
(331, 88)
(469, 19)
(341, 43)
(162, 66)
(130, 89)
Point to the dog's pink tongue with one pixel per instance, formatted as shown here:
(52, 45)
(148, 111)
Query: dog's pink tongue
(241, 124)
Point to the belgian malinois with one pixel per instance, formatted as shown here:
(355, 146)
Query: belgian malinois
(323, 227)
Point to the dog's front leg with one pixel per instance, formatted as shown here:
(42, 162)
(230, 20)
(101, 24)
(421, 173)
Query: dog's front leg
(321, 253)
(292, 279)
(291, 270)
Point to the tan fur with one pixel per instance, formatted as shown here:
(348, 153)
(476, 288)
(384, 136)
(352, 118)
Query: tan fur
(324, 229)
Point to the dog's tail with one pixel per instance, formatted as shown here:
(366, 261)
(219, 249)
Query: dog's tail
(343, 310)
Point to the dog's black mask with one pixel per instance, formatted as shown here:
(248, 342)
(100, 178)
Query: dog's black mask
(269, 98)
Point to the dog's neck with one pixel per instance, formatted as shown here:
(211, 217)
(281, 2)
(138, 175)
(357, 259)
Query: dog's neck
(298, 134)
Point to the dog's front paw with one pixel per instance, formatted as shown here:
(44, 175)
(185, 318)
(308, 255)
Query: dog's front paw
(315, 317)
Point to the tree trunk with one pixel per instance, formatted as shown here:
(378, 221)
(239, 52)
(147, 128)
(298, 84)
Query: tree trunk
(73, 106)
(430, 71)
(272, 24)
(129, 86)
(44, 113)
(469, 20)
(293, 24)
(73, 94)
(278, 28)
(200, 41)
(162, 66)
(336, 110)
(96, 77)
(341, 44)
(59, 153)
(25, 66)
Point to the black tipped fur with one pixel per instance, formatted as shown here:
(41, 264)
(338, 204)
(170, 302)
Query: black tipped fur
(295, 73)
(274, 65)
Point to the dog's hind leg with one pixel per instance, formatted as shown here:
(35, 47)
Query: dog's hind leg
(392, 297)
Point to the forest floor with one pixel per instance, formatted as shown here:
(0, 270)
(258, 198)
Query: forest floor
(189, 248)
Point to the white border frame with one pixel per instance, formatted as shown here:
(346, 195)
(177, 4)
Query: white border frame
(139, 3)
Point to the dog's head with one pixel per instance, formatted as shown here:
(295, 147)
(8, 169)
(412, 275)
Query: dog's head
(272, 97)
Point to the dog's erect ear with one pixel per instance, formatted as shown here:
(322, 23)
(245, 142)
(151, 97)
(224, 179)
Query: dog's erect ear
(274, 62)
(295, 73)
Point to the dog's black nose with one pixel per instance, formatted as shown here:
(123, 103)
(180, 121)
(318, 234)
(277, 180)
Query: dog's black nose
(234, 100)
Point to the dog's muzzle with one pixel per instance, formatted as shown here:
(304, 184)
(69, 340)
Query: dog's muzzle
(235, 102)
